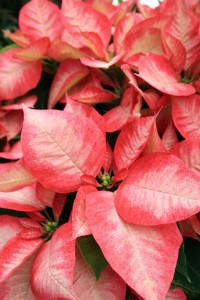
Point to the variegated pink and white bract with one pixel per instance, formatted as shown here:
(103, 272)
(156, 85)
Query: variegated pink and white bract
(112, 157)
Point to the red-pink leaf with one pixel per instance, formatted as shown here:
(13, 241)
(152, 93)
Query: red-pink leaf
(191, 227)
(58, 148)
(85, 110)
(15, 152)
(158, 72)
(9, 228)
(176, 294)
(93, 95)
(174, 50)
(127, 111)
(186, 115)
(109, 286)
(58, 205)
(154, 142)
(101, 64)
(122, 28)
(17, 77)
(105, 6)
(59, 51)
(15, 177)
(36, 51)
(30, 233)
(69, 73)
(80, 17)
(189, 152)
(142, 41)
(80, 226)
(18, 285)
(150, 96)
(147, 248)
(29, 101)
(161, 189)
(131, 141)
(108, 159)
(24, 199)
(52, 273)
(89, 180)
(94, 42)
(46, 196)
(40, 18)
(19, 38)
(13, 123)
(14, 253)
(169, 137)
(184, 26)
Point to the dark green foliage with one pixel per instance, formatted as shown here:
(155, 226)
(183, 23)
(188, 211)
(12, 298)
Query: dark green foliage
(187, 275)
(92, 254)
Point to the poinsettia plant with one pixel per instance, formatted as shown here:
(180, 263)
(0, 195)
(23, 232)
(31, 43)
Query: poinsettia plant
(100, 152)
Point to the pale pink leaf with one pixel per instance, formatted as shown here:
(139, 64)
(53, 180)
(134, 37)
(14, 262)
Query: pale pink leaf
(146, 248)
(24, 199)
(40, 18)
(109, 286)
(186, 115)
(131, 141)
(58, 148)
(15, 177)
(52, 273)
(80, 226)
(158, 72)
(157, 189)
(17, 77)
(69, 73)
(18, 285)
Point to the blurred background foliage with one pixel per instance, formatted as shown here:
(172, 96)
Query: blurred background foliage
(9, 12)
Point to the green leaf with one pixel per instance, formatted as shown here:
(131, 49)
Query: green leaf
(92, 254)
(182, 264)
(192, 252)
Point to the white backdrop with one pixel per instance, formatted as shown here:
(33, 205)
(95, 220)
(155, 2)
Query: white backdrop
(151, 3)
